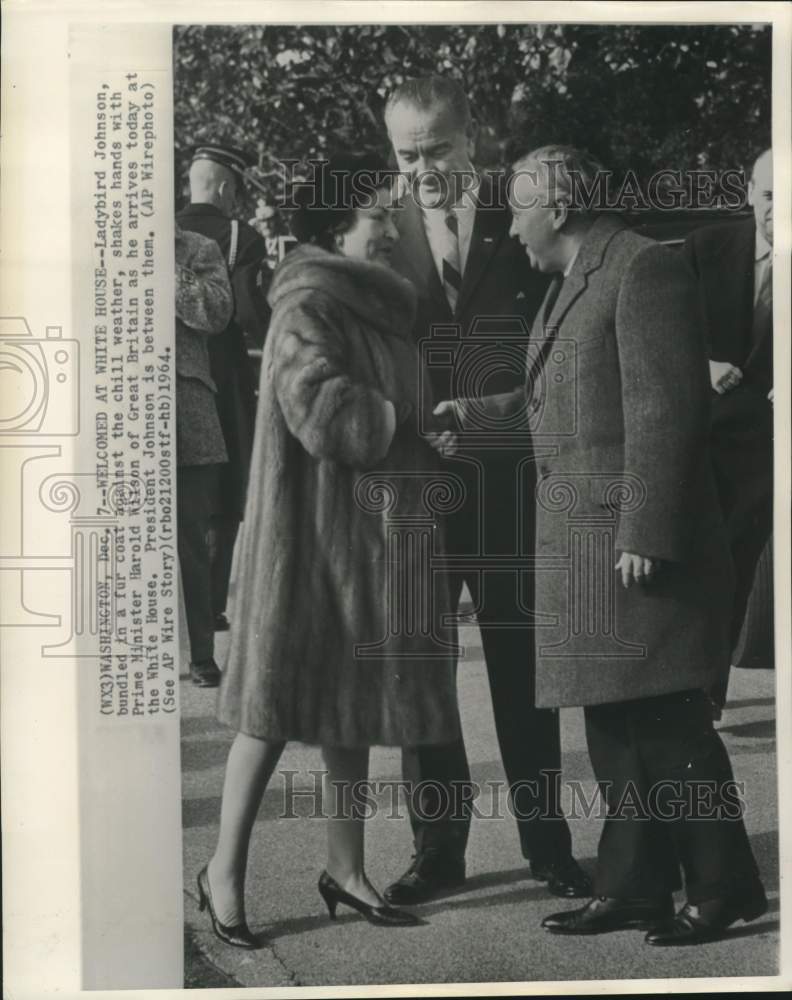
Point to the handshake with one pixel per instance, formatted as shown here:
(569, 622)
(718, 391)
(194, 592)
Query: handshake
(447, 418)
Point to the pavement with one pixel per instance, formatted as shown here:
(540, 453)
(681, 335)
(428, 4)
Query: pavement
(487, 931)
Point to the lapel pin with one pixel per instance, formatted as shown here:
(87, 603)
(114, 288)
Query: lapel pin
(520, 295)
(488, 239)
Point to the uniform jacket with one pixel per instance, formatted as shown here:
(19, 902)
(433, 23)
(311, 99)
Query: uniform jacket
(621, 410)
(231, 367)
(203, 309)
(317, 573)
(497, 302)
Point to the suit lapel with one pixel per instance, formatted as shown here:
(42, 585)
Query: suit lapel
(489, 228)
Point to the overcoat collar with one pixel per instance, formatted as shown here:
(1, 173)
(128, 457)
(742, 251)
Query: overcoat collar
(589, 259)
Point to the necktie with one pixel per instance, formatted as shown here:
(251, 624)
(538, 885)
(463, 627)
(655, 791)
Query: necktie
(452, 268)
(552, 297)
(763, 307)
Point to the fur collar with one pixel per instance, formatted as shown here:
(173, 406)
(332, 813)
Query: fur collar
(374, 292)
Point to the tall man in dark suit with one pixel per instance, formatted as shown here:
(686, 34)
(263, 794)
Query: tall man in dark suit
(635, 576)
(734, 264)
(216, 174)
(456, 249)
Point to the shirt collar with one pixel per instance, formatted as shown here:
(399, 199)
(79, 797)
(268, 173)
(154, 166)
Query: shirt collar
(762, 247)
(571, 264)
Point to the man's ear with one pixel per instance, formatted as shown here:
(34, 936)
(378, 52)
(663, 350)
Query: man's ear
(751, 190)
(560, 214)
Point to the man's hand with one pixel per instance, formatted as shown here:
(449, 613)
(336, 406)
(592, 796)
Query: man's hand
(635, 568)
(724, 376)
(445, 416)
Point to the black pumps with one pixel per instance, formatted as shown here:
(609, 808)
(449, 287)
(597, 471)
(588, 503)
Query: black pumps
(239, 935)
(384, 916)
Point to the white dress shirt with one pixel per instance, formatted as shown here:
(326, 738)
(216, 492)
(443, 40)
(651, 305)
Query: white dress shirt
(763, 258)
(437, 231)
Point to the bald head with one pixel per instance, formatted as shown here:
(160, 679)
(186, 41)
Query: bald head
(212, 184)
(760, 194)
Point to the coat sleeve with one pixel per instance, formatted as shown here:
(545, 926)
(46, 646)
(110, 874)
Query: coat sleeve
(332, 415)
(499, 406)
(665, 402)
(204, 300)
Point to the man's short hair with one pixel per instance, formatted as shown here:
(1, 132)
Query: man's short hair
(571, 173)
(427, 92)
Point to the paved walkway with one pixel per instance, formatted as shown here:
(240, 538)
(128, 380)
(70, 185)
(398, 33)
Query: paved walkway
(487, 931)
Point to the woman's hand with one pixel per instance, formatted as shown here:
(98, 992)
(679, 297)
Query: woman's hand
(635, 568)
(446, 442)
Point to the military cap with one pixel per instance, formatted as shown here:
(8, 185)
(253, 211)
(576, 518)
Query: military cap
(230, 157)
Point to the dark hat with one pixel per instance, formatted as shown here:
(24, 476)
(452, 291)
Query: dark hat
(230, 157)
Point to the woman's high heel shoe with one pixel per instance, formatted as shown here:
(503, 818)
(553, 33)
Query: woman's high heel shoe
(239, 935)
(384, 916)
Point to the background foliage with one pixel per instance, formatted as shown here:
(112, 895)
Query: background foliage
(639, 97)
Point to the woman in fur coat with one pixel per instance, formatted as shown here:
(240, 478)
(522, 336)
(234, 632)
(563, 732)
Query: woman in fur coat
(341, 642)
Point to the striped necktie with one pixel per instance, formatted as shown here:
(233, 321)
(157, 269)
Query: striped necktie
(452, 267)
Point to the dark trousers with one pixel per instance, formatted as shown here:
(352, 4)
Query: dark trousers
(222, 536)
(672, 803)
(196, 489)
(742, 458)
(529, 740)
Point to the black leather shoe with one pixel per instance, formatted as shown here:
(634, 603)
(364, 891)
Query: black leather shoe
(221, 623)
(696, 923)
(383, 916)
(205, 673)
(603, 913)
(564, 878)
(428, 874)
(237, 935)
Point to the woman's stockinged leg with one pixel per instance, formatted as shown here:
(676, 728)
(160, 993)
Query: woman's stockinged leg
(250, 765)
(344, 769)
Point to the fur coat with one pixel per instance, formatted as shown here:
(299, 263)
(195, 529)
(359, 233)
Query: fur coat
(340, 638)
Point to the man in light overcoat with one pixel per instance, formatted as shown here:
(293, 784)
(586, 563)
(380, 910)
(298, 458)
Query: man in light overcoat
(633, 576)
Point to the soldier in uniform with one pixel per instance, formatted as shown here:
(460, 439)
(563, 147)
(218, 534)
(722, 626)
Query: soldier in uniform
(216, 178)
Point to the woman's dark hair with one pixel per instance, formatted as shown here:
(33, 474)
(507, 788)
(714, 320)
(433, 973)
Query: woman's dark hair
(326, 205)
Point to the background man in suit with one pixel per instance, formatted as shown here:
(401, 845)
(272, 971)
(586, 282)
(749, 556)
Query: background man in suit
(455, 248)
(216, 173)
(632, 489)
(734, 264)
(204, 304)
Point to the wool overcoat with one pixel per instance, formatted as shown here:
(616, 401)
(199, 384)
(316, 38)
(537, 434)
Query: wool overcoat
(618, 404)
(340, 639)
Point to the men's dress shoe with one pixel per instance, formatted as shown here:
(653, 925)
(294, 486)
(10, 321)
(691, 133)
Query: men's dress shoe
(205, 673)
(564, 878)
(427, 875)
(696, 923)
(221, 623)
(603, 913)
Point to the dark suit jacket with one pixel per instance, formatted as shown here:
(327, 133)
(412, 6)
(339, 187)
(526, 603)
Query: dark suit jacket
(722, 257)
(499, 297)
(231, 367)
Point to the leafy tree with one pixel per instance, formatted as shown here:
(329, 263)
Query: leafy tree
(642, 97)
